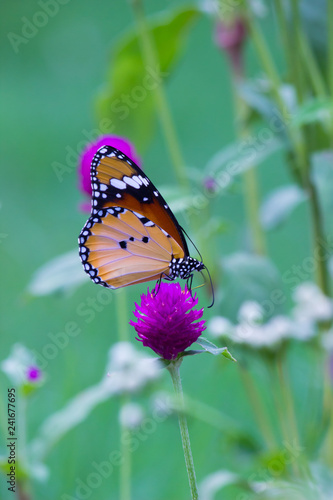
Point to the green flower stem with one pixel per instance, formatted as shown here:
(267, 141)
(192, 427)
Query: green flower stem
(151, 60)
(284, 32)
(258, 409)
(294, 39)
(288, 399)
(280, 405)
(122, 315)
(330, 53)
(327, 412)
(126, 463)
(173, 368)
(319, 236)
(260, 45)
(252, 197)
(311, 66)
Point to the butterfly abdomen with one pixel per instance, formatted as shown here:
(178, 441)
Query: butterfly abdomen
(183, 268)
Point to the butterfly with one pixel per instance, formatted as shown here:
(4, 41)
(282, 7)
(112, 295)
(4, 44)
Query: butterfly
(132, 235)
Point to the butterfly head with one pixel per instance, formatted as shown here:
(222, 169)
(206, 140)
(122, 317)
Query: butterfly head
(183, 268)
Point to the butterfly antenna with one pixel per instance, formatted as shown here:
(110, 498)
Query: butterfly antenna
(191, 242)
(211, 286)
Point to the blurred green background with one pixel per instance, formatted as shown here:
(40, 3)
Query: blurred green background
(47, 92)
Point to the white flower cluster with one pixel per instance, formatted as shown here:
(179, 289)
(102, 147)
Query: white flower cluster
(17, 364)
(128, 369)
(311, 307)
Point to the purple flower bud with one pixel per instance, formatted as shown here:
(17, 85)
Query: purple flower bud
(230, 38)
(33, 374)
(210, 184)
(167, 322)
(86, 158)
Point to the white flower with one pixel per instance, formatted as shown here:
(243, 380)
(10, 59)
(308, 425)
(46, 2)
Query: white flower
(311, 304)
(220, 327)
(250, 312)
(268, 335)
(17, 364)
(131, 415)
(128, 369)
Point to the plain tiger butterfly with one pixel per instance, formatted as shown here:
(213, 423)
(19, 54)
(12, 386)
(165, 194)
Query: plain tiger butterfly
(132, 235)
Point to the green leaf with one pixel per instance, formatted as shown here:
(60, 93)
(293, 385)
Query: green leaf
(314, 110)
(257, 95)
(63, 273)
(228, 163)
(127, 99)
(279, 204)
(213, 349)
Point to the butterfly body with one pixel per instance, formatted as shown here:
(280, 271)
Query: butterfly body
(131, 236)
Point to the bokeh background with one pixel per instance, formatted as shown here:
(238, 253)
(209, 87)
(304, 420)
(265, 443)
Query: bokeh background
(49, 88)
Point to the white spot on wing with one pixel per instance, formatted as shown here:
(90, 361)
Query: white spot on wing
(131, 182)
(118, 184)
(137, 179)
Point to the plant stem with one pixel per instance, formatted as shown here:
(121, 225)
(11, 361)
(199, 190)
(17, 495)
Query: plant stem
(126, 463)
(322, 271)
(296, 137)
(252, 197)
(279, 397)
(173, 368)
(294, 38)
(151, 60)
(288, 400)
(121, 312)
(330, 53)
(258, 409)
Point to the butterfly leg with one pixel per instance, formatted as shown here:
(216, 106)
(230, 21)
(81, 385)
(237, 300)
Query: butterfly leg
(189, 284)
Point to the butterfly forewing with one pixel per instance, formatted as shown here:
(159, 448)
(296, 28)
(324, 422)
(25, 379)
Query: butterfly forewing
(117, 181)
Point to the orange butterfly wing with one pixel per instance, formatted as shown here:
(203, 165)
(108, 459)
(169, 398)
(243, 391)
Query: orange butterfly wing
(117, 181)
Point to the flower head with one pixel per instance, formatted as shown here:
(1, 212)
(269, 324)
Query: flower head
(87, 155)
(21, 368)
(167, 322)
(33, 374)
(230, 38)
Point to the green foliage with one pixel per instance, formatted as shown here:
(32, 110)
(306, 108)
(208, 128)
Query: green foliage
(127, 98)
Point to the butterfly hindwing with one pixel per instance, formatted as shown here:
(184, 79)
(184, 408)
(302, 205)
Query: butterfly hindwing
(118, 247)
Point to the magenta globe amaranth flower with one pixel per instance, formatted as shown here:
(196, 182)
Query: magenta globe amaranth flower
(87, 155)
(167, 321)
(33, 374)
